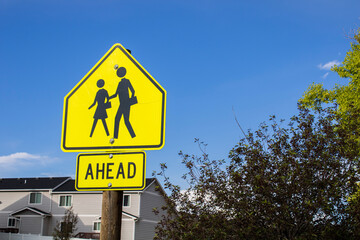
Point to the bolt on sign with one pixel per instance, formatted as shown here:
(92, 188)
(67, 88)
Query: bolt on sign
(115, 171)
(117, 105)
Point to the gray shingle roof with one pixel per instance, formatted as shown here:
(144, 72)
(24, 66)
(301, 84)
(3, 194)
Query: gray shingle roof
(31, 183)
(69, 186)
(58, 184)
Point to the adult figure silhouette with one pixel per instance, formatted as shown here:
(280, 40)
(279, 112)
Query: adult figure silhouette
(100, 113)
(122, 92)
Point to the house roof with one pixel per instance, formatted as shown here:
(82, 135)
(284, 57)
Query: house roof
(69, 186)
(56, 184)
(129, 215)
(30, 209)
(31, 183)
(149, 181)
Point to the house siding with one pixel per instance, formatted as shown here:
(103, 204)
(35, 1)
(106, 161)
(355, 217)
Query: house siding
(3, 220)
(127, 229)
(12, 201)
(47, 222)
(82, 203)
(30, 225)
(86, 205)
(144, 230)
(151, 199)
(85, 224)
(134, 203)
(145, 227)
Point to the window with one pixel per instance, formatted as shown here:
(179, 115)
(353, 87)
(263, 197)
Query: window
(65, 201)
(12, 222)
(35, 198)
(97, 226)
(126, 201)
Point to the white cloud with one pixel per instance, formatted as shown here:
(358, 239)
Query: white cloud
(328, 65)
(23, 159)
(26, 164)
(18, 158)
(325, 75)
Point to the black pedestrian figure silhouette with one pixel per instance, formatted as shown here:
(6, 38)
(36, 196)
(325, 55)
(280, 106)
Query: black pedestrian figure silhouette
(102, 105)
(122, 92)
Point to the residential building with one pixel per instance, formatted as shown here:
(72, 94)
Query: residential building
(36, 205)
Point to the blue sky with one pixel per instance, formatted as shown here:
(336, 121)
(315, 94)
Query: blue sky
(256, 57)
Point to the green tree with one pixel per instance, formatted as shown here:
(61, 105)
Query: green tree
(280, 182)
(345, 96)
(66, 228)
(354, 212)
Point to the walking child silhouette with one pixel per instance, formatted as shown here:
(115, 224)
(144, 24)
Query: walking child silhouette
(100, 112)
(122, 92)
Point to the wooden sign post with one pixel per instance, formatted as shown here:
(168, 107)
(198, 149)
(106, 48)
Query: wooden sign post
(111, 215)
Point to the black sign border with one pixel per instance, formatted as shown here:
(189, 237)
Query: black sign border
(99, 148)
(139, 188)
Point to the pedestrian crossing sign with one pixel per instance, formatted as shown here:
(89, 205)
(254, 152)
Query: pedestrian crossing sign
(117, 105)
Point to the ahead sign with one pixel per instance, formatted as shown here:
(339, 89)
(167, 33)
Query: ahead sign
(117, 105)
(116, 171)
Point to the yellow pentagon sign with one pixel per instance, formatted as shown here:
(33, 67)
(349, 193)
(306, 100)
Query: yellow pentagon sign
(121, 171)
(117, 105)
